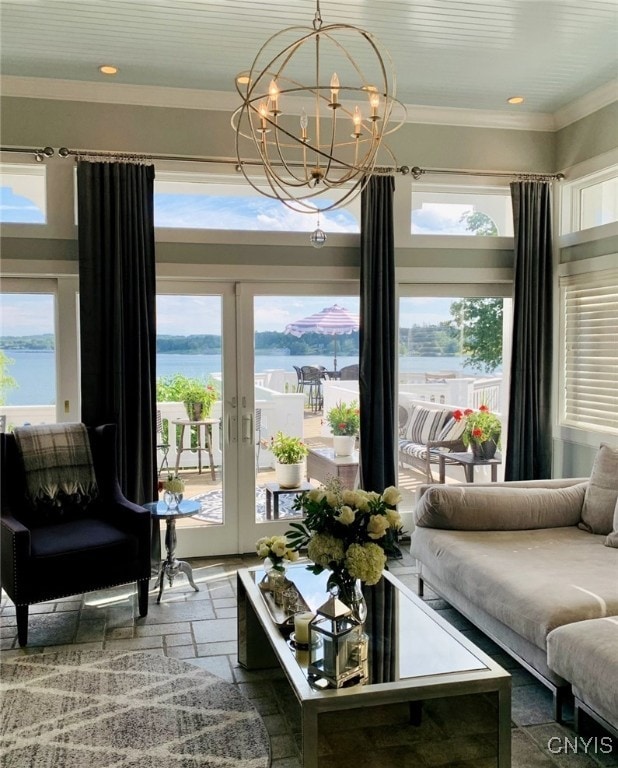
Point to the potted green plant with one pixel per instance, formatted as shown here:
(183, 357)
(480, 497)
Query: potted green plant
(344, 422)
(482, 431)
(290, 454)
(198, 396)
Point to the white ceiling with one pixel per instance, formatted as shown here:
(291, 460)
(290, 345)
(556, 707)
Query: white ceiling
(446, 53)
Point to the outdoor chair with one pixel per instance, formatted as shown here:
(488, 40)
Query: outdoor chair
(162, 444)
(70, 546)
(299, 378)
(312, 385)
(349, 373)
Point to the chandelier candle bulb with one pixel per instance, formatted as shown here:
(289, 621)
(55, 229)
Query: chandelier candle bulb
(374, 101)
(263, 110)
(357, 120)
(334, 90)
(304, 122)
(273, 93)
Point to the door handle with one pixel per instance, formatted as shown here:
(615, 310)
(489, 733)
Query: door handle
(247, 428)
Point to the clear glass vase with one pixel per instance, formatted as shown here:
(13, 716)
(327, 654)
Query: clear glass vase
(350, 593)
(275, 574)
(172, 499)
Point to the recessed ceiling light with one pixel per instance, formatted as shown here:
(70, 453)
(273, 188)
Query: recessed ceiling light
(516, 100)
(243, 79)
(108, 69)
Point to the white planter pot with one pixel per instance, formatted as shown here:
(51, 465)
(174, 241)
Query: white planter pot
(344, 444)
(289, 475)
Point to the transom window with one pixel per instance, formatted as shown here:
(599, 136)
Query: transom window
(22, 194)
(192, 201)
(471, 211)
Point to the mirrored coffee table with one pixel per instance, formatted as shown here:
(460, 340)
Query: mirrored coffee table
(416, 658)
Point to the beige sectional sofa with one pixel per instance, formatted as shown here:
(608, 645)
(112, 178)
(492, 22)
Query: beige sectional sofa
(524, 560)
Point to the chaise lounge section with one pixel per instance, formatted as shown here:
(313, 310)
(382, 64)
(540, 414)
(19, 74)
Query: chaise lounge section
(522, 560)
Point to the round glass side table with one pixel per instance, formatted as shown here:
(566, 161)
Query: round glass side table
(171, 567)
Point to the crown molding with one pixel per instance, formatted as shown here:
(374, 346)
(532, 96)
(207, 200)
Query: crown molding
(187, 98)
(586, 105)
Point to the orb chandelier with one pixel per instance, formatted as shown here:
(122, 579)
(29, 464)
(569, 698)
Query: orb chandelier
(313, 118)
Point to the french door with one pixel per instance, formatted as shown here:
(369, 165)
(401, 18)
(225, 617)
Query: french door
(208, 331)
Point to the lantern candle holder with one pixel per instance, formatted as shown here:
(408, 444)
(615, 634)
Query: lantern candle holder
(336, 637)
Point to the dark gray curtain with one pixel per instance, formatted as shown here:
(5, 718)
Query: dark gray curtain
(378, 336)
(529, 444)
(117, 314)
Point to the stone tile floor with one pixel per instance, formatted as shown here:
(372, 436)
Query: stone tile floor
(200, 627)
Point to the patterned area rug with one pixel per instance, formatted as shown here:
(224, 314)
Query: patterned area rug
(80, 709)
(212, 505)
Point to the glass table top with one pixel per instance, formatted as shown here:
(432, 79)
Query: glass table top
(405, 639)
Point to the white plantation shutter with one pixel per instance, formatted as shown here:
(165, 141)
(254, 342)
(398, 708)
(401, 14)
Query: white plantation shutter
(590, 352)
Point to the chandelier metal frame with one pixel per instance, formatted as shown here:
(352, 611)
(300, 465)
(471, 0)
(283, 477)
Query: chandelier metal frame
(335, 148)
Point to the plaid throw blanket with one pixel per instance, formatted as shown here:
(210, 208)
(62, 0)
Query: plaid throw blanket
(58, 464)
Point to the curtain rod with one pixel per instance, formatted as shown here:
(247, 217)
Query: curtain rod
(415, 171)
(522, 176)
(40, 153)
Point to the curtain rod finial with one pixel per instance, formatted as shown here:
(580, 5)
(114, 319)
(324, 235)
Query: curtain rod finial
(63, 152)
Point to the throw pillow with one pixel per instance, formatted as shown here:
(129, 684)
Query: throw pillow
(602, 492)
(452, 430)
(612, 539)
(499, 507)
(424, 424)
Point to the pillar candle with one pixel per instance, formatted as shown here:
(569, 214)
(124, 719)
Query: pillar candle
(301, 627)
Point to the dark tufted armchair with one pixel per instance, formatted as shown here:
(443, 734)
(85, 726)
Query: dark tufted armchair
(45, 559)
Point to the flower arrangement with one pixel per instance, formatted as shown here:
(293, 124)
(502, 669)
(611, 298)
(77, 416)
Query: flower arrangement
(481, 426)
(347, 532)
(344, 418)
(276, 549)
(287, 449)
(173, 484)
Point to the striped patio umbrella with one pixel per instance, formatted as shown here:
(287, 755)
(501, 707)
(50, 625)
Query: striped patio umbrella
(330, 321)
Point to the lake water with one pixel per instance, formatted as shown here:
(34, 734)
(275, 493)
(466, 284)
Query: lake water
(35, 371)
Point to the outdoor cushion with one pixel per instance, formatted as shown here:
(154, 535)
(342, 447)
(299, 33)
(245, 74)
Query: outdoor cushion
(495, 508)
(602, 492)
(425, 424)
(532, 581)
(452, 429)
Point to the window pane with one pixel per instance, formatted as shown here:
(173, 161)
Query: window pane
(471, 212)
(450, 357)
(197, 204)
(22, 194)
(599, 204)
(27, 359)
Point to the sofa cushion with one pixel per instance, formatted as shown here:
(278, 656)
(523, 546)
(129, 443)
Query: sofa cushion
(612, 538)
(466, 508)
(586, 654)
(425, 424)
(533, 581)
(602, 492)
